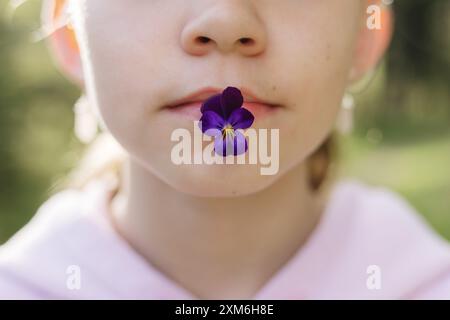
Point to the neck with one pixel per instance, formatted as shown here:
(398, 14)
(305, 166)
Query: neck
(236, 244)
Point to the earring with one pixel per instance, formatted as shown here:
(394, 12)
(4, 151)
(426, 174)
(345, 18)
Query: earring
(86, 123)
(345, 117)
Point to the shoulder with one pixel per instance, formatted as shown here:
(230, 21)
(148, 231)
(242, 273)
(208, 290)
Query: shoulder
(35, 261)
(381, 209)
(384, 231)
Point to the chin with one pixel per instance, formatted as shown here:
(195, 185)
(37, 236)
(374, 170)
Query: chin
(219, 180)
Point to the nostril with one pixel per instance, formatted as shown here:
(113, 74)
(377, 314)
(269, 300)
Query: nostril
(202, 39)
(246, 41)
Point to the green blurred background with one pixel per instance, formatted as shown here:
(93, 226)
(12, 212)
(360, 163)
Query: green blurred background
(401, 138)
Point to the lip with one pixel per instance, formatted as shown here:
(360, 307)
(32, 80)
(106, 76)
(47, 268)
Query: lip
(190, 105)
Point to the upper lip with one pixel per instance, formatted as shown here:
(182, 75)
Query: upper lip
(199, 96)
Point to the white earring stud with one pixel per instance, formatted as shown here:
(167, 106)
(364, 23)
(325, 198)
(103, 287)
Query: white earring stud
(345, 119)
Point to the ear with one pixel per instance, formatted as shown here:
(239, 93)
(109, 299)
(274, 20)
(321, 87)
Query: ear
(373, 39)
(62, 42)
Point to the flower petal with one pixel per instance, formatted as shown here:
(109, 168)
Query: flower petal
(220, 146)
(240, 143)
(211, 120)
(230, 145)
(232, 99)
(241, 119)
(213, 103)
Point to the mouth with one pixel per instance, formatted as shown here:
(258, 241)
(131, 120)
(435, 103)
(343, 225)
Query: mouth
(190, 105)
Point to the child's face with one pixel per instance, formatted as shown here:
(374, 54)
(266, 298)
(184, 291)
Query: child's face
(141, 55)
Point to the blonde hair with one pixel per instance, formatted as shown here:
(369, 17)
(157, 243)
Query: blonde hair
(104, 158)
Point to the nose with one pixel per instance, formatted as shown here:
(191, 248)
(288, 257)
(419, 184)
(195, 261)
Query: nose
(230, 26)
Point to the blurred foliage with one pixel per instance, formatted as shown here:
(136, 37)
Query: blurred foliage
(402, 134)
(401, 139)
(37, 145)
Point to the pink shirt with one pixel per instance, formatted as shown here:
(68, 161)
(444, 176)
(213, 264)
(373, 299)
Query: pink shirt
(369, 244)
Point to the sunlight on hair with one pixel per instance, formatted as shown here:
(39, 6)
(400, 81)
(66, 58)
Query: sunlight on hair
(50, 24)
(11, 8)
(103, 159)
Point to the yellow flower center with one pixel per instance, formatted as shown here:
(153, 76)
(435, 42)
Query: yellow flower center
(228, 131)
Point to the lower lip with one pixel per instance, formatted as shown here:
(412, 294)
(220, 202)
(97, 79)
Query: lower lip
(192, 110)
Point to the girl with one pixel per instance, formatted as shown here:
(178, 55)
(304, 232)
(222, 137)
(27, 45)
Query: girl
(168, 231)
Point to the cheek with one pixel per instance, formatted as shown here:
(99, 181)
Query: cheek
(317, 97)
(319, 61)
(125, 84)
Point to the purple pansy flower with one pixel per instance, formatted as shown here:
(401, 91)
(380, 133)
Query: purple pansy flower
(222, 116)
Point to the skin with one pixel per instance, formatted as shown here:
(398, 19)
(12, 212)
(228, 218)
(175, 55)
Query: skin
(236, 227)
